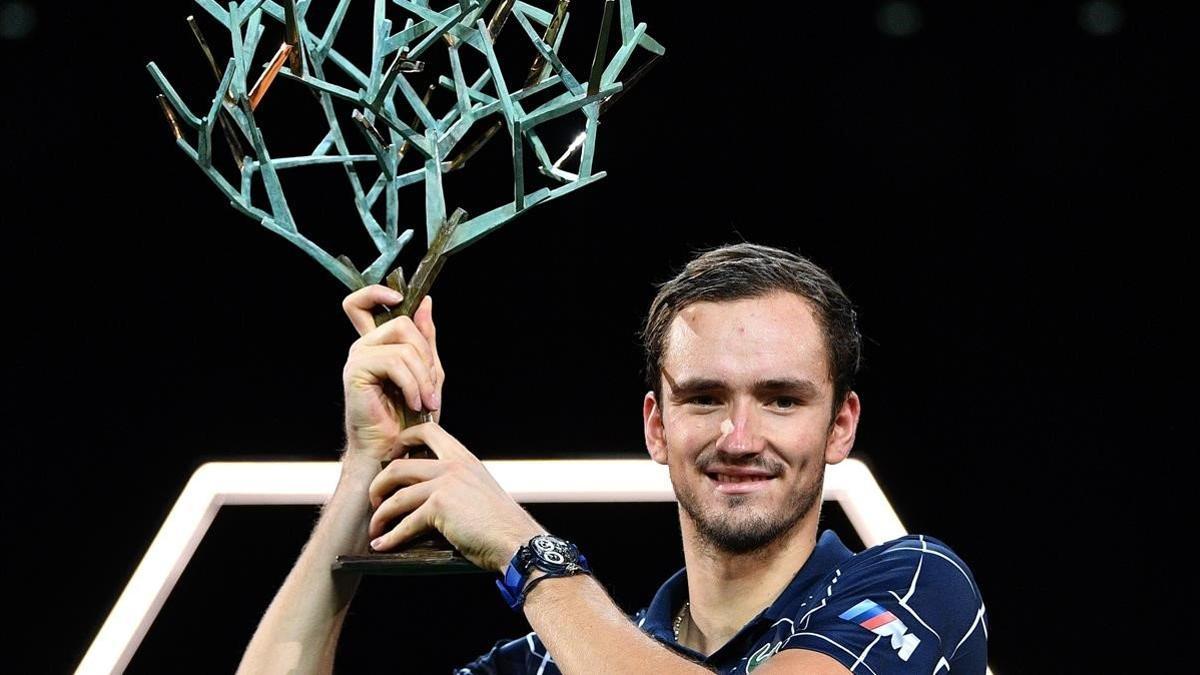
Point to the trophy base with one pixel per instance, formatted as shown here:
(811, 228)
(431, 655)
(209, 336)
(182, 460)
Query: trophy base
(426, 557)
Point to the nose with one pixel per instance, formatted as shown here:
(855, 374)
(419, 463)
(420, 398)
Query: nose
(741, 430)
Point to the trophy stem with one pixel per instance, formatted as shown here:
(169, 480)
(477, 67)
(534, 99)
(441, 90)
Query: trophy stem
(430, 553)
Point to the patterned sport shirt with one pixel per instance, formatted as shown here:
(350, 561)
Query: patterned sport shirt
(909, 605)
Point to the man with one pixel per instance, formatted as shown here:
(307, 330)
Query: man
(751, 356)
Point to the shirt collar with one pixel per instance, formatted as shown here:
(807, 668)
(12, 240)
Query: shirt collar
(659, 619)
(825, 557)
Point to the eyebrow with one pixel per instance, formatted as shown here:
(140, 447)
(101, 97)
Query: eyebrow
(800, 387)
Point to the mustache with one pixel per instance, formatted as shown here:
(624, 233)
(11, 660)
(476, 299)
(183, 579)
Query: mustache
(709, 458)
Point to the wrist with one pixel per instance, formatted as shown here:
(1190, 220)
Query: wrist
(513, 543)
(543, 557)
(359, 466)
(535, 590)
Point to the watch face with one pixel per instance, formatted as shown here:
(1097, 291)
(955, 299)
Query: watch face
(552, 554)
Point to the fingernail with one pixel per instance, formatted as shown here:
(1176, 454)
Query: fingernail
(395, 296)
(377, 543)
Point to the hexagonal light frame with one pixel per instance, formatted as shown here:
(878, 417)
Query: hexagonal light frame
(217, 484)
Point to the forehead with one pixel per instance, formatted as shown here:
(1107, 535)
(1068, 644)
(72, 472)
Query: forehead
(747, 340)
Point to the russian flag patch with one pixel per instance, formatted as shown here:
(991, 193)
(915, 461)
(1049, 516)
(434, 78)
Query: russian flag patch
(870, 615)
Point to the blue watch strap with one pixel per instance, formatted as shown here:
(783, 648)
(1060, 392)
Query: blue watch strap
(512, 582)
(510, 585)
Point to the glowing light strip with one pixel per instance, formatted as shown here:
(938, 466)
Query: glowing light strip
(216, 484)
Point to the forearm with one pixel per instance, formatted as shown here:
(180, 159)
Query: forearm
(299, 632)
(586, 632)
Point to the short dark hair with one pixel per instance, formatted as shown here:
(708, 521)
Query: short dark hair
(740, 271)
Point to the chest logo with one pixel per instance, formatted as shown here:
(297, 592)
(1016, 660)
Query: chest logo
(880, 621)
(761, 654)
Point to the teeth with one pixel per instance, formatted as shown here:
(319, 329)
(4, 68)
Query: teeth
(725, 478)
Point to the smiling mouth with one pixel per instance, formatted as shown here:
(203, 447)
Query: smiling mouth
(726, 478)
(739, 484)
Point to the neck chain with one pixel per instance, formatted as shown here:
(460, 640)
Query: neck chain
(679, 618)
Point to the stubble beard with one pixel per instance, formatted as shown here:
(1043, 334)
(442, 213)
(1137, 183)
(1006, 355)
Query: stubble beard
(738, 529)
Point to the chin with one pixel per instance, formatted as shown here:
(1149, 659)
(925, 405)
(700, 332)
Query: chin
(744, 523)
(744, 537)
(743, 529)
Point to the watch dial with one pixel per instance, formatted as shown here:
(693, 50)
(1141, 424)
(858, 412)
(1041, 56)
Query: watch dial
(552, 554)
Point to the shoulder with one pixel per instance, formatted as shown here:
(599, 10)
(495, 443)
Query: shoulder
(908, 605)
(906, 573)
(523, 655)
(912, 545)
(913, 558)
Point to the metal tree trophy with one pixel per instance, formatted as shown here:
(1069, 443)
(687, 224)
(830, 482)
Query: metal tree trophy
(377, 94)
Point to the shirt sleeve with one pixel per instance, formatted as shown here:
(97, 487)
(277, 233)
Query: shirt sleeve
(911, 608)
(526, 655)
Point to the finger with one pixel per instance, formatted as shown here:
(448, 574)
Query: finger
(416, 351)
(400, 330)
(394, 363)
(423, 320)
(402, 473)
(403, 501)
(430, 434)
(410, 526)
(359, 306)
(424, 377)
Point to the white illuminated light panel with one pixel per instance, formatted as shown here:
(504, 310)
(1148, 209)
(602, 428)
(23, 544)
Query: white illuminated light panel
(217, 484)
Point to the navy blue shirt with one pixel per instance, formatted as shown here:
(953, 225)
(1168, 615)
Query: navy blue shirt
(909, 605)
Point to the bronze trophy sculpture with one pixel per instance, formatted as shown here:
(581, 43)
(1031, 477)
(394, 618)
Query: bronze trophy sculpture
(404, 149)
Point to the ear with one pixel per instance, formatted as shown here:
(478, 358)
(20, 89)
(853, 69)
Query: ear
(841, 435)
(652, 426)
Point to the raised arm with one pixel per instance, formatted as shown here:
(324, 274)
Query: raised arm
(299, 632)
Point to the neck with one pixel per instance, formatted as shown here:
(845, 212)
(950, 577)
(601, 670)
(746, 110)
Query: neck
(726, 590)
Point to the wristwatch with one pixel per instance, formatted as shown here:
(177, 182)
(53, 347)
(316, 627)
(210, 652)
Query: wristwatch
(553, 556)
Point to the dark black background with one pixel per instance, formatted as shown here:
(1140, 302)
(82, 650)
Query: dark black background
(997, 192)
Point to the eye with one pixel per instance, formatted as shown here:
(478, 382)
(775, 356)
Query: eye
(785, 403)
(702, 400)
